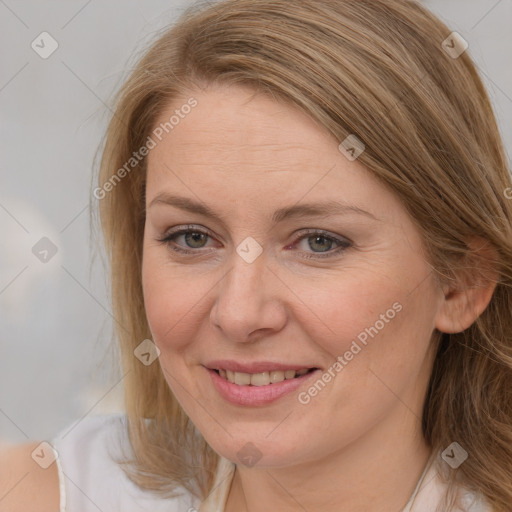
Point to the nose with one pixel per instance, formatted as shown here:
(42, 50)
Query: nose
(249, 303)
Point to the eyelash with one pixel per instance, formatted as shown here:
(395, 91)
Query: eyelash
(169, 238)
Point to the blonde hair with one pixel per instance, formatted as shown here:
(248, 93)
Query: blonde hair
(375, 69)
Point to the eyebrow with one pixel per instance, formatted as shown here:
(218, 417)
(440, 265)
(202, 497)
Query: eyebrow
(324, 209)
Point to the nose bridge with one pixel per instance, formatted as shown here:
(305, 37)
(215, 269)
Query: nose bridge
(246, 298)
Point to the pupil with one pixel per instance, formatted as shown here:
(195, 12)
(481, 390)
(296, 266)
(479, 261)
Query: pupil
(316, 238)
(195, 236)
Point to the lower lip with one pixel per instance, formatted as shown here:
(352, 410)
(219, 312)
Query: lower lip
(256, 395)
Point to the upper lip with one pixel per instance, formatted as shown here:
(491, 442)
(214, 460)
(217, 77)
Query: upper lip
(254, 367)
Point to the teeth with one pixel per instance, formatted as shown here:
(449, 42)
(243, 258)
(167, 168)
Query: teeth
(242, 379)
(279, 376)
(260, 379)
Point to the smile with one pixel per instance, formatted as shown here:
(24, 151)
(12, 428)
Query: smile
(262, 378)
(258, 389)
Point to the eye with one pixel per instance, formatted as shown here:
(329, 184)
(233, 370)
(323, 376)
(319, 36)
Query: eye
(318, 239)
(193, 236)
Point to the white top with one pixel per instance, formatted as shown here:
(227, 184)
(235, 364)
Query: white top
(91, 481)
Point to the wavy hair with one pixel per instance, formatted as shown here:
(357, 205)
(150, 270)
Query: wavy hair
(374, 68)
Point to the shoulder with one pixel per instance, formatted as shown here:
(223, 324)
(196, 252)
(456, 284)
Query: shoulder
(433, 488)
(90, 433)
(89, 454)
(27, 483)
(474, 502)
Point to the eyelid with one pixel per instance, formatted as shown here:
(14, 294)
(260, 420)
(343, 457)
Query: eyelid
(343, 242)
(181, 230)
(323, 232)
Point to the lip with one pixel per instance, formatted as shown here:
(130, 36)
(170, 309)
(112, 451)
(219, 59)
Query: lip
(252, 396)
(254, 367)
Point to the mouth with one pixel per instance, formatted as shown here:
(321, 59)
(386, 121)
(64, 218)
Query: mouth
(261, 378)
(262, 388)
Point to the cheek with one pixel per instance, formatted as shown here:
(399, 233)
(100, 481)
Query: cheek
(338, 307)
(381, 319)
(174, 300)
(377, 344)
(160, 297)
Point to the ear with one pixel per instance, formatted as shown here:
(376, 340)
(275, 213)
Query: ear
(466, 299)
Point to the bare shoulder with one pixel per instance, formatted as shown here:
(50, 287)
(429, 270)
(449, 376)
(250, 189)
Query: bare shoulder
(29, 479)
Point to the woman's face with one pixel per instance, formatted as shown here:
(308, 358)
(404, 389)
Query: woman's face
(273, 280)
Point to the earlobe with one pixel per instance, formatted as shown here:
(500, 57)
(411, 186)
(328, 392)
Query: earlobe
(468, 298)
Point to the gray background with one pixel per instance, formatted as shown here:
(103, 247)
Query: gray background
(57, 363)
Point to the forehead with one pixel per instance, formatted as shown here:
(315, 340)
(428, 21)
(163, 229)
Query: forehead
(236, 122)
(236, 131)
(238, 146)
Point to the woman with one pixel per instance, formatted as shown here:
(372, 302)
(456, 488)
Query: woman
(263, 370)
